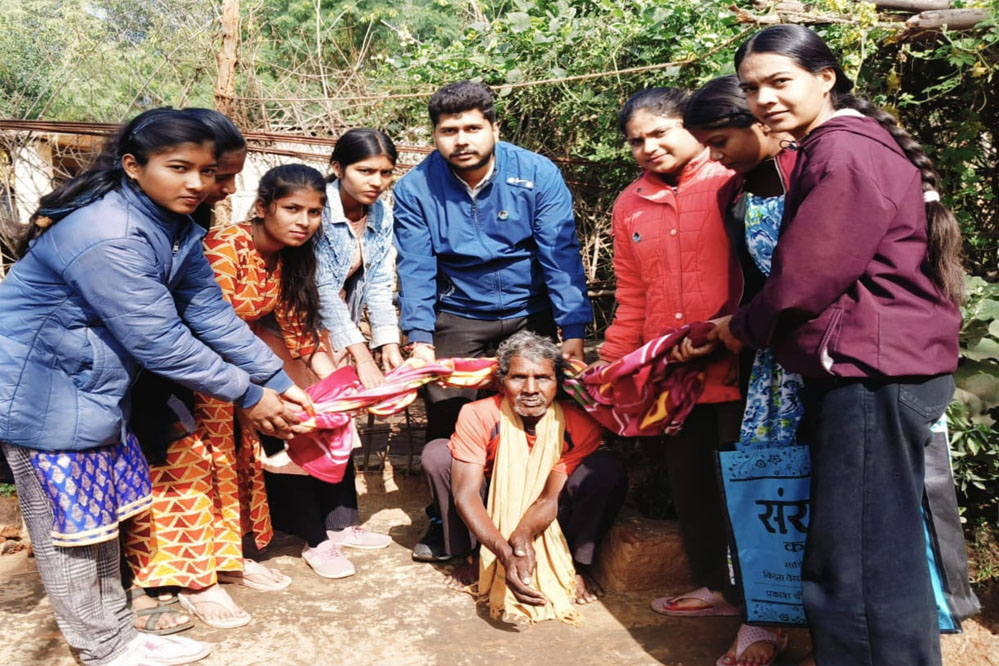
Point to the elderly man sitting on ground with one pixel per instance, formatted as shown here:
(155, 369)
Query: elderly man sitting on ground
(536, 460)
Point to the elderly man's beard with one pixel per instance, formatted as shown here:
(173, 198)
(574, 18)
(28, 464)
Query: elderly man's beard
(533, 407)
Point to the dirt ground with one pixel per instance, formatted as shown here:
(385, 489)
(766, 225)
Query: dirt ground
(396, 611)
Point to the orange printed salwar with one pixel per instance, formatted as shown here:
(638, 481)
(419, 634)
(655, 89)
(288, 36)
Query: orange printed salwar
(210, 491)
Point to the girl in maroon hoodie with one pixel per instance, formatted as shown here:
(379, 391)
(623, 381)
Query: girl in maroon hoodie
(862, 302)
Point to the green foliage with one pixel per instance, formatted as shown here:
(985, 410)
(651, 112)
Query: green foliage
(945, 89)
(974, 414)
(7, 490)
(318, 66)
(103, 60)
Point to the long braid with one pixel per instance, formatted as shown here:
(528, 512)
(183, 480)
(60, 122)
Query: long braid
(944, 248)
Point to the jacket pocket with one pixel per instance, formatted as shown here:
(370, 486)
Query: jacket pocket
(829, 337)
(91, 363)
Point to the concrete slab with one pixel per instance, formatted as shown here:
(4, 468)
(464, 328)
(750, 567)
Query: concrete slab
(396, 611)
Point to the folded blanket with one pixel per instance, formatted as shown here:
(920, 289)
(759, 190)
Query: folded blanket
(643, 393)
(324, 452)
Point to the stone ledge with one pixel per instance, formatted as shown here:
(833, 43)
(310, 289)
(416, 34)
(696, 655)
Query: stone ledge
(643, 554)
(13, 536)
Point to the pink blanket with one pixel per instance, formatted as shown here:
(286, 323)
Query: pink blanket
(324, 452)
(639, 395)
(643, 393)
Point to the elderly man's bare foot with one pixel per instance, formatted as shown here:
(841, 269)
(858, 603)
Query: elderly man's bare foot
(588, 589)
(464, 574)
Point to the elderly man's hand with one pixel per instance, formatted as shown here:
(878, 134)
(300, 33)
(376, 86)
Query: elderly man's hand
(519, 565)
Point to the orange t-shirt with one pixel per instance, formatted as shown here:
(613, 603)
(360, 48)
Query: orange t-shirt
(476, 435)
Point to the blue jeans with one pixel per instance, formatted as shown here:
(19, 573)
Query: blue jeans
(865, 579)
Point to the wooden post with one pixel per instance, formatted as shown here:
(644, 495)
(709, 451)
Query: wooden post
(955, 19)
(227, 57)
(225, 83)
(912, 5)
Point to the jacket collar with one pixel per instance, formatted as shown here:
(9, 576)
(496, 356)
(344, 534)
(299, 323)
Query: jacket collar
(485, 182)
(654, 188)
(852, 122)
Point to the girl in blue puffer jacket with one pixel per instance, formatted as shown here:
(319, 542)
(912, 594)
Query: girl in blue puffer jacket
(111, 278)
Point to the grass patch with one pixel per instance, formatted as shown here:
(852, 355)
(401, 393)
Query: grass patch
(983, 551)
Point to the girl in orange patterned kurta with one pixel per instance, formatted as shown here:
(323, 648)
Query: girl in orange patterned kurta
(210, 490)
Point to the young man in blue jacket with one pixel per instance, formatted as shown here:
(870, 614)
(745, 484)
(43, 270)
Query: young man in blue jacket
(487, 247)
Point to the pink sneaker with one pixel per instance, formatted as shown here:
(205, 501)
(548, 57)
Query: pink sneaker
(355, 537)
(151, 650)
(328, 560)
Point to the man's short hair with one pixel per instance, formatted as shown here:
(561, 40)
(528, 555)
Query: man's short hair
(462, 96)
(532, 347)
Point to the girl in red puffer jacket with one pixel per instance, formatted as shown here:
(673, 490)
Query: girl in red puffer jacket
(675, 265)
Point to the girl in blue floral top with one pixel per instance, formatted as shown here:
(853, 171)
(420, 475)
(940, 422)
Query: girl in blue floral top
(719, 118)
(717, 115)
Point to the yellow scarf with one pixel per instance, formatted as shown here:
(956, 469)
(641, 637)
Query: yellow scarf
(519, 476)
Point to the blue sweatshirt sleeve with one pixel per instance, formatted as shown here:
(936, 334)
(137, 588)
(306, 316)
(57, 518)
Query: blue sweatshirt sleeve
(201, 305)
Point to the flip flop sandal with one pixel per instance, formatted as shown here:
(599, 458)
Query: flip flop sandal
(715, 607)
(153, 615)
(263, 579)
(747, 636)
(237, 618)
(166, 598)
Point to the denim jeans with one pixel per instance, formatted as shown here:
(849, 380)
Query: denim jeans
(865, 579)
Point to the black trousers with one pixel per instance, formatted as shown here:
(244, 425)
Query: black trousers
(463, 337)
(693, 479)
(587, 506)
(307, 507)
(865, 579)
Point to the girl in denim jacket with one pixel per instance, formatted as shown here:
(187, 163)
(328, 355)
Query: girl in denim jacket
(355, 253)
(356, 270)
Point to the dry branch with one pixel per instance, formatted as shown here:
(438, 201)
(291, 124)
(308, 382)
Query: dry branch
(793, 11)
(797, 12)
(912, 5)
(954, 19)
